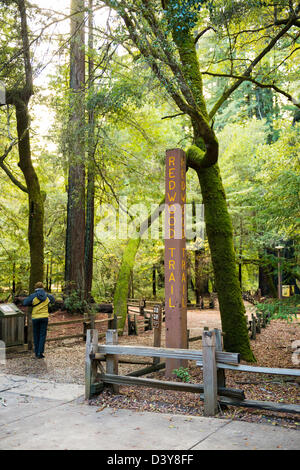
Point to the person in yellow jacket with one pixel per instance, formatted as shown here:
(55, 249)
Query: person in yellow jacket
(39, 301)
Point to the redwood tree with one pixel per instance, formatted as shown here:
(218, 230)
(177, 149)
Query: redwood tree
(90, 190)
(19, 97)
(75, 236)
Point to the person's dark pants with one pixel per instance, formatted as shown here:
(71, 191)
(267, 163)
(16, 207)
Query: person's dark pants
(39, 326)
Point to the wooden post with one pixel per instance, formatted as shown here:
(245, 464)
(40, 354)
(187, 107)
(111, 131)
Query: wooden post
(142, 306)
(29, 329)
(220, 372)
(136, 328)
(253, 329)
(175, 261)
(157, 320)
(113, 323)
(90, 364)
(151, 321)
(112, 359)
(209, 373)
(129, 324)
(92, 321)
(258, 329)
(85, 327)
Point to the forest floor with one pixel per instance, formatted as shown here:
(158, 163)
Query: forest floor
(64, 362)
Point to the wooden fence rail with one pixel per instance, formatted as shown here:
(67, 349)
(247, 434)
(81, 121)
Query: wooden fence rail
(89, 322)
(211, 358)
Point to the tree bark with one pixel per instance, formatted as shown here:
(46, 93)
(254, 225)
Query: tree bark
(35, 197)
(90, 196)
(75, 236)
(19, 97)
(220, 237)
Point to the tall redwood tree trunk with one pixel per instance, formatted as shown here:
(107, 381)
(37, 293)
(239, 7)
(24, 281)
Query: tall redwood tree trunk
(90, 193)
(74, 262)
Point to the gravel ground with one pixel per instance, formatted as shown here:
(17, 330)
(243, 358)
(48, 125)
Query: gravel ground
(64, 362)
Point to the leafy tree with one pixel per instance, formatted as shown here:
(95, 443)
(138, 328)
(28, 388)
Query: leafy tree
(18, 93)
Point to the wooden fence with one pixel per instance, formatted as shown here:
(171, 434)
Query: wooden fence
(146, 310)
(257, 322)
(213, 360)
(206, 302)
(87, 323)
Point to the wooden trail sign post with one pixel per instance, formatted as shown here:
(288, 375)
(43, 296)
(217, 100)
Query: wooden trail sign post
(175, 256)
(157, 321)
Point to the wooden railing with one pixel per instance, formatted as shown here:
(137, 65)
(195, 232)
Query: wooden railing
(87, 323)
(211, 359)
(140, 316)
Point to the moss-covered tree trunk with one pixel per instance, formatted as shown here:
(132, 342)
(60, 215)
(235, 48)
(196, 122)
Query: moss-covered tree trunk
(202, 157)
(19, 98)
(127, 264)
(220, 237)
(35, 197)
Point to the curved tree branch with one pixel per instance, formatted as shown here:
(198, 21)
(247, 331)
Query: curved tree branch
(255, 82)
(249, 69)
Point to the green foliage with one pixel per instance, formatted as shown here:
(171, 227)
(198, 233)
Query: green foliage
(262, 186)
(285, 309)
(182, 373)
(75, 304)
(183, 15)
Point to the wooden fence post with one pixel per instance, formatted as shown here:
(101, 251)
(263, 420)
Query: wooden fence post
(113, 322)
(112, 359)
(92, 321)
(136, 328)
(258, 328)
(150, 321)
(209, 373)
(90, 364)
(85, 327)
(220, 372)
(29, 329)
(157, 321)
(142, 305)
(253, 327)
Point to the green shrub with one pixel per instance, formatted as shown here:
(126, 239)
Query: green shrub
(182, 373)
(74, 303)
(285, 309)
